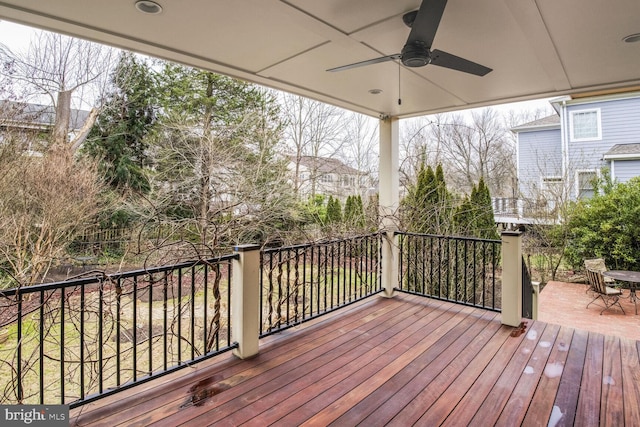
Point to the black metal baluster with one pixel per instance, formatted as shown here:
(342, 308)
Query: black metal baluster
(261, 295)
(304, 282)
(332, 272)
(41, 338)
(101, 337)
(81, 361)
(206, 306)
(118, 329)
(279, 279)
(402, 266)
(135, 328)
(423, 274)
(62, 344)
(288, 295)
(179, 315)
(431, 280)
(493, 275)
(343, 264)
(165, 308)
(296, 284)
(150, 285)
(229, 276)
(20, 392)
(193, 312)
(270, 293)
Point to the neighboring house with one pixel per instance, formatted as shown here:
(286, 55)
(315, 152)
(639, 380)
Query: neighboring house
(558, 157)
(31, 123)
(328, 177)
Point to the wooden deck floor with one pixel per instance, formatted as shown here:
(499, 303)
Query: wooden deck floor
(401, 361)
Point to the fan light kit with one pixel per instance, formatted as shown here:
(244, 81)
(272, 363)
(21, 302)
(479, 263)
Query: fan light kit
(148, 7)
(417, 50)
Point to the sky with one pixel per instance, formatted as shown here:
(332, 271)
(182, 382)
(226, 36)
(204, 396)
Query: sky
(14, 35)
(17, 37)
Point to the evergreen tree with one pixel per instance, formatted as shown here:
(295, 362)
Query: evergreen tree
(349, 212)
(118, 138)
(334, 211)
(485, 224)
(427, 206)
(474, 216)
(217, 159)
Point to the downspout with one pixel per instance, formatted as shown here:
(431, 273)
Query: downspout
(565, 145)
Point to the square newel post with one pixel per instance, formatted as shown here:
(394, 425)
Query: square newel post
(511, 278)
(390, 254)
(245, 301)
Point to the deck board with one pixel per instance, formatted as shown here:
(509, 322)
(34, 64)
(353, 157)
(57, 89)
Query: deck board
(396, 361)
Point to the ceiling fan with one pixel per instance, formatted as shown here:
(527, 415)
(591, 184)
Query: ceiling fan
(417, 50)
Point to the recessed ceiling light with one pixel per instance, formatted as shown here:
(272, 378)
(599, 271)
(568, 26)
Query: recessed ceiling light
(148, 7)
(375, 91)
(632, 38)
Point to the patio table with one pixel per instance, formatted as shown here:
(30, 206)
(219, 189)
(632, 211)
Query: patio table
(629, 279)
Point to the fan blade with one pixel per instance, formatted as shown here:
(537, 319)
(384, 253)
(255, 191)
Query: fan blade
(367, 62)
(425, 25)
(447, 60)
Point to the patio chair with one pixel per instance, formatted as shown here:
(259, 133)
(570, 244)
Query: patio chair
(609, 296)
(597, 264)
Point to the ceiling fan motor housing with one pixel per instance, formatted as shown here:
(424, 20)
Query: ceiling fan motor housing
(415, 55)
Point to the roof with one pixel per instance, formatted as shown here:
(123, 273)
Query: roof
(324, 165)
(549, 122)
(623, 151)
(537, 49)
(36, 116)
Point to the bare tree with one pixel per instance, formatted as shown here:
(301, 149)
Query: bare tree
(416, 148)
(360, 147)
(45, 201)
(312, 128)
(64, 69)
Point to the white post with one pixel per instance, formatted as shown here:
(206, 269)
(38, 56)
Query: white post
(245, 301)
(389, 200)
(536, 295)
(511, 278)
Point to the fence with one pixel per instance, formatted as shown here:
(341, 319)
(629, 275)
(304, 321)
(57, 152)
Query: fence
(93, 336)
(457, 269)
(302, 282)
(95, 240)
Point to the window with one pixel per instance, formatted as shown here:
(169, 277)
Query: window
(586, 181)
(552, 191)
(552, 187)
(326, 178)
(585, 125)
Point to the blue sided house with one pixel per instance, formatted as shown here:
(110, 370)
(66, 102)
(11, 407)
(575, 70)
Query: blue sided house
(559, 156)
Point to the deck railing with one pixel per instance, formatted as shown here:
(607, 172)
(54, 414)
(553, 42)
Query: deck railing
(457, 269)
(73, 342)
(302, 282)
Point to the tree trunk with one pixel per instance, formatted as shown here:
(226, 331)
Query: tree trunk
(63, 116)
(84, 131)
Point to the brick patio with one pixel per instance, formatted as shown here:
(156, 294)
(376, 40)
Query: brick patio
(565, 304)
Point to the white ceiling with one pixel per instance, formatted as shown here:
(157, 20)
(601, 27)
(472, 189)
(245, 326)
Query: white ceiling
(537, 48)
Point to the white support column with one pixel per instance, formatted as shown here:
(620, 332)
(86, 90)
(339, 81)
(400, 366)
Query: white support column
(388, 187)
(511, 278)
(245, 301)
